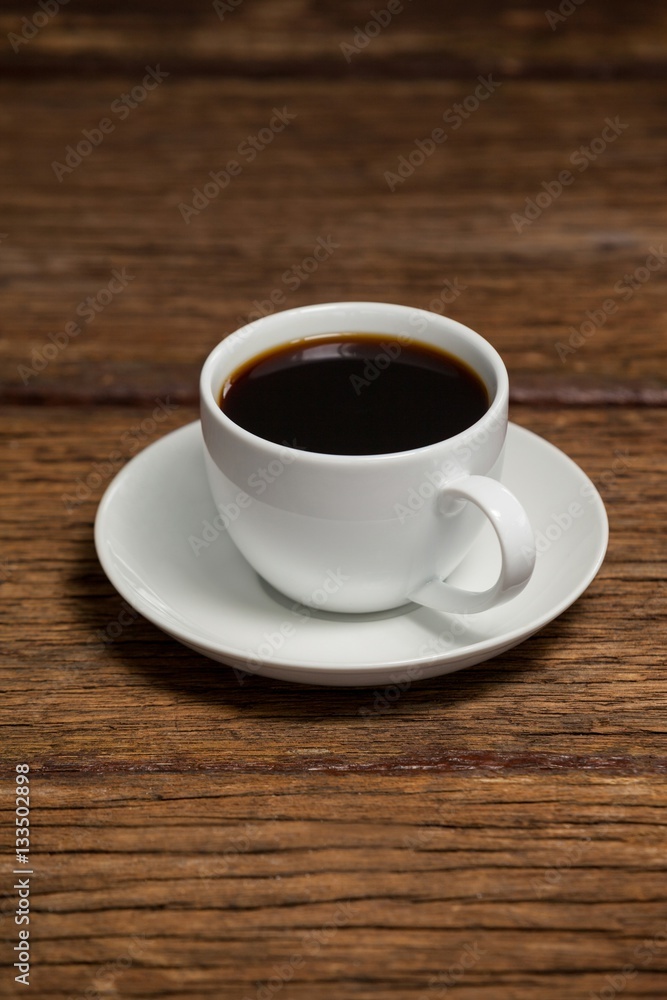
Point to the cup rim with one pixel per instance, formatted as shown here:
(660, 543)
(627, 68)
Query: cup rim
(496, 410)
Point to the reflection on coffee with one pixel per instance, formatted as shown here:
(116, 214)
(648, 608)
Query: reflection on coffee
(354, 394)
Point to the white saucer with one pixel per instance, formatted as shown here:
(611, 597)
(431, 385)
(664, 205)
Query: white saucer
(216, 604)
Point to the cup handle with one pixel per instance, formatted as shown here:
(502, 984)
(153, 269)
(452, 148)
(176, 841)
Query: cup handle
(517, 546)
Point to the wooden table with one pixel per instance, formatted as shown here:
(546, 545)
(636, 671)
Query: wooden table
(499, 833)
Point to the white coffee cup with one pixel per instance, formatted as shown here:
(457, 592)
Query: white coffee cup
(362, 533)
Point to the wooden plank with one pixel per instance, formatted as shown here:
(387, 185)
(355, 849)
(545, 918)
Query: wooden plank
(499, 831)
(303, 37)
(444, 239)
(355, 886)
(585, 693)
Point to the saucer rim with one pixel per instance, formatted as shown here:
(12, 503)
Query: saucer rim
(217, 649)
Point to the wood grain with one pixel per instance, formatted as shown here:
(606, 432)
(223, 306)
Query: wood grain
(304, 38)
(531, 293)
(197, 838)
(587, 692)
(347, 886)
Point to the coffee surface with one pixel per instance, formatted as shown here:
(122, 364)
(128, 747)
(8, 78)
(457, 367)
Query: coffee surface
(354, 394)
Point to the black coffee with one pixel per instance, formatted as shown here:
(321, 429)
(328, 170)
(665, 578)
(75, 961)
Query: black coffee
(354, 394)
